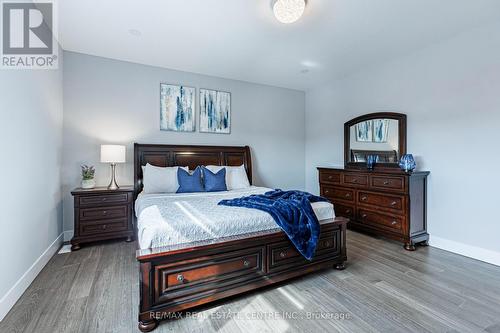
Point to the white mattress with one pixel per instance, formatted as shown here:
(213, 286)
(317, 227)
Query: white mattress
(171, 219)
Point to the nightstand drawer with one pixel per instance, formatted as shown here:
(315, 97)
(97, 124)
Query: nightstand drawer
(101, 213)
(107, 199)
(107, 226)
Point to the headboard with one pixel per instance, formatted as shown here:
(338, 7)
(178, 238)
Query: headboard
(191, 156)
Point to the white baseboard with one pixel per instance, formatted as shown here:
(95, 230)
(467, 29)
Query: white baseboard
(68, 234)
(470, 251)
(11, 297)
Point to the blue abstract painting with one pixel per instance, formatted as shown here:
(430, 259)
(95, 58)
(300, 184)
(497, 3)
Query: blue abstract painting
(177, 108)
(215, 111)
(380, 130)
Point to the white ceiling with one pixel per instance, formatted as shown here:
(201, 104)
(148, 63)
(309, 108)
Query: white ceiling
(241, 39)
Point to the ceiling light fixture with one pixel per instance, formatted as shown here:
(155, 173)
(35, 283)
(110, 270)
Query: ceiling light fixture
(288, 11)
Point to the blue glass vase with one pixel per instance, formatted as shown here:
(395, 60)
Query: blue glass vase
(407, 163)
(370, 161)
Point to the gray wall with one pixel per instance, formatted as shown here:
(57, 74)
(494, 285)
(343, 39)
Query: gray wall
(451, 94)
(110, 101)
(31, 113)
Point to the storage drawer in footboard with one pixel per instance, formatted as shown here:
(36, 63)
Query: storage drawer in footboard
(207, 274)
(284, 255)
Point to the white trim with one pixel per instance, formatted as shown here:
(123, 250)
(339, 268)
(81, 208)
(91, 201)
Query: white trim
(11, 297)
(68, 234)
(466, 250)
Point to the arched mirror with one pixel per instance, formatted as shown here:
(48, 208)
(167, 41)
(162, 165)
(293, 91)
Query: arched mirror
(381, 134)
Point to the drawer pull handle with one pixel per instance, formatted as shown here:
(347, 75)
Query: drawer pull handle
(348, 211)
(364, 216)
(330, 177)
(354, 180)
(105, 212)
(282, 254)
(246, 263)
(104, 199)
(393, 203)
(103, 227)
(180, 278)
(394, 222)
(364, 198)
(347, 195)
(326, 192)
(387, 182)
(327, 244)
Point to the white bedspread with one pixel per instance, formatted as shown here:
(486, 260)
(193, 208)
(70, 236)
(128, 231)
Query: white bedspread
(170, 219)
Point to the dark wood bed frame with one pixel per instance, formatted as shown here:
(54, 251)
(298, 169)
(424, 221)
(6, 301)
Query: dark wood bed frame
(178, 278)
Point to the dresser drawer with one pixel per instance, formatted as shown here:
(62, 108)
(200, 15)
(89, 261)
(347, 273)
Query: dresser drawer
(90, 214)
(361, 180)
(208, 273)
(394, 202)
(326, 176)
(284, 254)
(344, 210)
(383, 182)
(380, 220)
(337, 193)
(103, 227)
(105, 199)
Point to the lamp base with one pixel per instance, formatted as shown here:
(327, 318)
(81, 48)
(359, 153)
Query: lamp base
(112, 184)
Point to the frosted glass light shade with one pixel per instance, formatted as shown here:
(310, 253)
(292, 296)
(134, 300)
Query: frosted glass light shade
(288, 11)
(112, 154)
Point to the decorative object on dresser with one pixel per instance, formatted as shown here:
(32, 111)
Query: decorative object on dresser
(113, 154)
(407, 163)
(88, 173)
(102, 214)
(386, 201)
(179, 277)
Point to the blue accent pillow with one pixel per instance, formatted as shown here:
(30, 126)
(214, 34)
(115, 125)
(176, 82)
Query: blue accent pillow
(214, 182)
(189, 183)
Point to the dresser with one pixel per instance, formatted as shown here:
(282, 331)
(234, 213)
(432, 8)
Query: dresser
(102, 214)
(387, 203)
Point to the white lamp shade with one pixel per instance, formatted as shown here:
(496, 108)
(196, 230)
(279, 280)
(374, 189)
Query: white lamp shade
(112, 154)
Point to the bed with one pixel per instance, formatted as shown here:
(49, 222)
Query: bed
(192, 251)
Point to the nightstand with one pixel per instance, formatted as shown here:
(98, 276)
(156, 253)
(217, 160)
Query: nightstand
(102, 214)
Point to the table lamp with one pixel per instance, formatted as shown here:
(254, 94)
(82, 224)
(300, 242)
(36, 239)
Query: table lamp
(112, 154)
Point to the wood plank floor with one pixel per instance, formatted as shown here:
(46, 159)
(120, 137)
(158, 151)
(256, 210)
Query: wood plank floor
(383, 289)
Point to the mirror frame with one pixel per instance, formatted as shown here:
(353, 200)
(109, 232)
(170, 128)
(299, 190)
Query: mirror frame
(400, 117)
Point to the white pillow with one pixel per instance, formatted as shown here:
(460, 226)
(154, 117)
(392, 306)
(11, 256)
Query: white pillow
(236, 177)
(160, 179)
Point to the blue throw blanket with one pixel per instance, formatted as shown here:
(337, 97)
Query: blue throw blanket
(292, 211)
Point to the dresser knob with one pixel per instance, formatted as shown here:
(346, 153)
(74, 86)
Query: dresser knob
(347, 195)
(246, 263)
(103, 227)
(326, 191)
(364, 198)
(180, 278)
(394, 222)
(327, 243)
(393, 203)
(348, 211)
(354, 180)
(364, 216)
(104, 199)
(330, 177)
(387, 182)
(282, 254)
(105, 212)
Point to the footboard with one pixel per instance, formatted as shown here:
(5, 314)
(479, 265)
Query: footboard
(178, 278)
